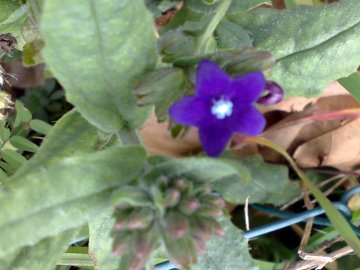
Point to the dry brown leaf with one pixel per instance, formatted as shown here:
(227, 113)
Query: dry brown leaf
(323, 134)
(158, 140)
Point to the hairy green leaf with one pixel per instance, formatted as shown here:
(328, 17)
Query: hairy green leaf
(310, 45)
(100, 242)
(44, 255)
(200, 169)
(12, 19)
(229, 252)
(97, 50)
(50, 199)
(267, 183)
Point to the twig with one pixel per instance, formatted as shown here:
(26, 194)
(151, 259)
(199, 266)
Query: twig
(246, 210)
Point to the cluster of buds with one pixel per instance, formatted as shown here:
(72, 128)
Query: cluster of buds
(177, 214)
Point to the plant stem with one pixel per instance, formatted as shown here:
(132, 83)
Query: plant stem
(127, 137)
(211, 26)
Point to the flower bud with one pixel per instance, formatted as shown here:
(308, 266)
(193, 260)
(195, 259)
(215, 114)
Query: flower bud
(145, 242)
(182, 251)
(210, 211)
(120, 244)
(172, 197)
(176, 224)
(189, 206)
(140, 219)
(121, 217)
(274, 94)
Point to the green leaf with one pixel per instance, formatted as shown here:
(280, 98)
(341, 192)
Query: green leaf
(229, 252)
(108, 45)
(238, 7)
(162, 88)
(23, 115)
(6, 9)
(72, 134)
(40, 126)
(199, 169)
(12, 19)
(3, 175)
(49, 199)
(352, 84)
(24, 144)
(13, 158)
(44, 255)
(267, 183)
(307, 43)
(230, 36)
(100, 242)
(4, 134)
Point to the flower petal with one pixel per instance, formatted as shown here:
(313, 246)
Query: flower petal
(248, 121)
(247, 88)
(189, 110)
(214, 139)
(211, 80)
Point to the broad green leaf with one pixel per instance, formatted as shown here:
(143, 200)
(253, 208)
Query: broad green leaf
(100, 241)
(12, 19)
(44, 255)
(50, 199)
(310, 45)
(230, 252)
(352, 84)
(267, 183)
(4, 134)
(200, 169)
(24, 144)
(40, 126)
(6, 9)
(108, 45)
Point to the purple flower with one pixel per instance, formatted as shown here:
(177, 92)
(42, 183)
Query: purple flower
(221, 106)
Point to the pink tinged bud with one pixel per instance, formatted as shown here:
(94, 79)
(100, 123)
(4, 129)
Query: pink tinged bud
(181, 184)
(145, 243)
(189, 206)
(201, 247)
(119, 226)
(177, 224)
(216, 228)
(119, 245)
(172, 198)
(210, 211)
(182, 251)
(219, 202)
(200, 231)
(140, 219)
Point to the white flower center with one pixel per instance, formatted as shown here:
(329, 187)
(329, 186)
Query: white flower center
(222, 108)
